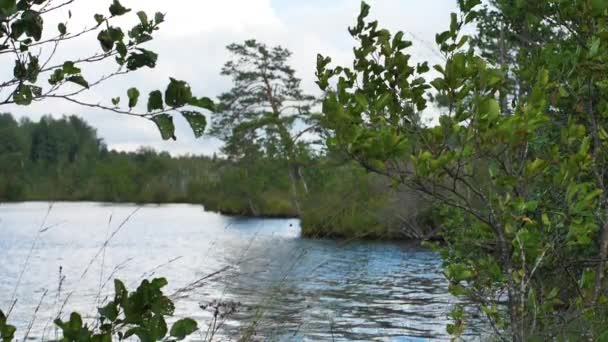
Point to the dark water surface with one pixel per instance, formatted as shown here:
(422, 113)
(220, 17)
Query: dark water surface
(295, 289)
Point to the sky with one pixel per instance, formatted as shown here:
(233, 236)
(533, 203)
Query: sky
(191, 46)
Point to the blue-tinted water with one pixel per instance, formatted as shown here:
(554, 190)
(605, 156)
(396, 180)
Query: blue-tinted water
(298, 289)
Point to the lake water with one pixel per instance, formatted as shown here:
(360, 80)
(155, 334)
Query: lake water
(295, 289)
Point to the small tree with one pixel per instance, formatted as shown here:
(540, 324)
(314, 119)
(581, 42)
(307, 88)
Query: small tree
(32, 47)
(263, 106)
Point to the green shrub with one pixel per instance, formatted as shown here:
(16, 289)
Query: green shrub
(142, 313)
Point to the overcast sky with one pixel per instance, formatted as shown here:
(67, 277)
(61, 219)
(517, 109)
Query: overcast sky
(192, 44)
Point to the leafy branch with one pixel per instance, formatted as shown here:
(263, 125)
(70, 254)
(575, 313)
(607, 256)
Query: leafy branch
(22, 27)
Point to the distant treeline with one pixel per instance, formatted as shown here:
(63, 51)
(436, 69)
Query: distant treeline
(64, 160)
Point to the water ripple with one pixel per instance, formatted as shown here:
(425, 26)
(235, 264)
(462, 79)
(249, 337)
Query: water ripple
(303, 290)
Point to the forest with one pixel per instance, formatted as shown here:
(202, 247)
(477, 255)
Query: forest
(64, 160)
(508, 184)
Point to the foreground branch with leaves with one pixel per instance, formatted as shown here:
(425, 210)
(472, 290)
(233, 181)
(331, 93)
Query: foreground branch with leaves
(515, 165)
(140, 313)
(33, 47)
(27, 43)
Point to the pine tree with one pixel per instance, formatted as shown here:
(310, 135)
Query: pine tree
(264, 106)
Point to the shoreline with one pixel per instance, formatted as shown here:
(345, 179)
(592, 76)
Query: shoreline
(306, 232)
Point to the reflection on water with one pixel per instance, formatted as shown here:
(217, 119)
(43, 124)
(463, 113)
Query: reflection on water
(289, 288)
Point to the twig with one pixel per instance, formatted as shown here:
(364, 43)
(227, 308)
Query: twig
(103, 260)
(197, 283)
(29, 255)
(29, 328)
(105, 244)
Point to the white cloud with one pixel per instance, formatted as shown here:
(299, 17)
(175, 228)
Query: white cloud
(192, 47)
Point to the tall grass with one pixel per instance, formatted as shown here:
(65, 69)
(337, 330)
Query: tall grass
(61, 301)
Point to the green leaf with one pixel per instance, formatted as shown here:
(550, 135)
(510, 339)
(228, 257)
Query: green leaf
(595, 47)
(78, 79)
(116, 9)
(33, 69)
(468, 5)
(36, 91)
(116, 101)
(159, 18)
(157, 328)
(23, 95)
(62, 29)
(441, 38)
(19, 71)
(121, 48)
(182, 328)
(7, 6)
(17, 29)
(32, 24)
(453, 23)
(155, 101)
(163, 305)
(133, 94)
(116, 33)
(104, 38)
(361, 99)
(70, 69)
(137, 331)
(203, 102)
(197, 121)
(106, 337)
(107, 38)
(57, 76)
(7, 332)
(143, 17)
(165, 125)
(120, 291)
(99, 18)
(159, 283)
(178, 93)
(422, 68)
(599, 6)
(110, 311)
(144, 58)
(72, 329)
(490, 106)
(383, 101)
(545, 219)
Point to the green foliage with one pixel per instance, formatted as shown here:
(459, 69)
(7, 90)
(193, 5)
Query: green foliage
(63, 159)
(7, 331)
(183, 328)
(164, 122)
(347, 202)
(141, 313)
(256, 117)
(178, 93)
(133, 95)
(197, 121)
(22, 26)
(155, 101)
(513, 167)
(116, 9)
